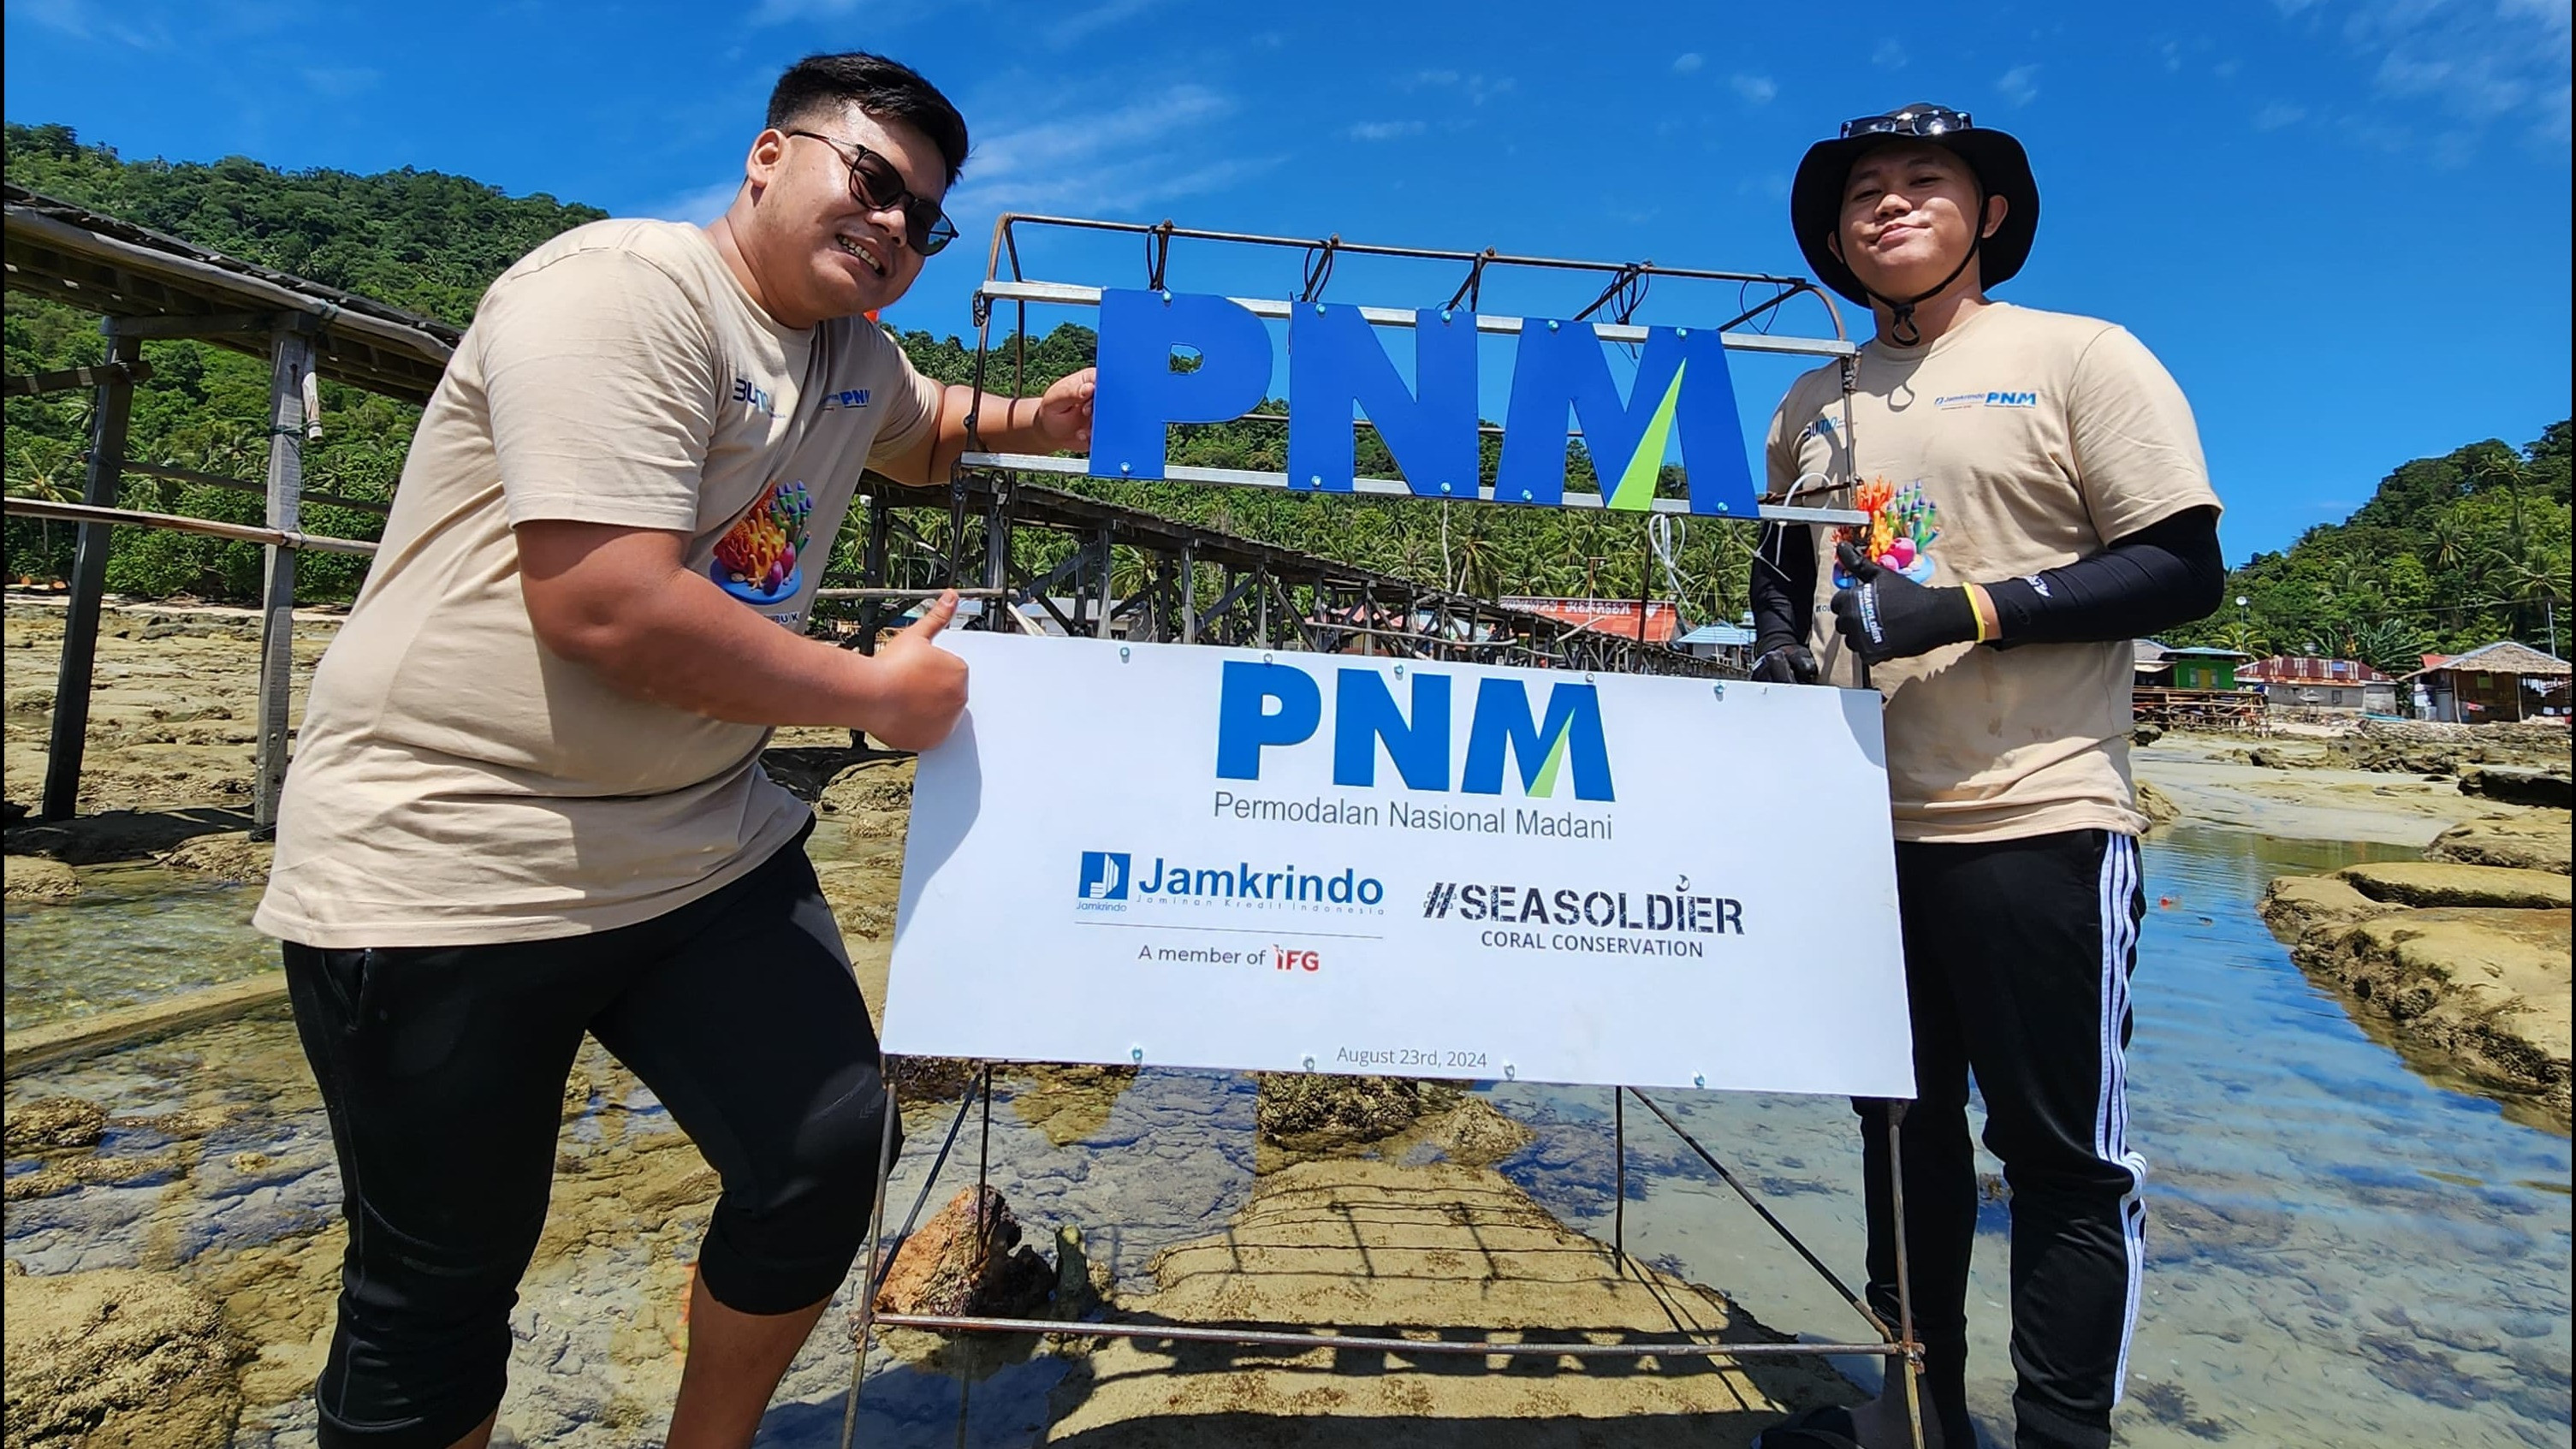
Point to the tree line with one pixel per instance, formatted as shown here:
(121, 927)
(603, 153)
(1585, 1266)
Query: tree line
(2450, 552)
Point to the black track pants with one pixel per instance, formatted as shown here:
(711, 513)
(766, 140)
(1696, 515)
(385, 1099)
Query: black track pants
(443, 1070)
(2017, 961)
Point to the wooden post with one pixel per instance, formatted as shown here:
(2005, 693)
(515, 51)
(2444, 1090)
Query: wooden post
(1189, 593)
(1106, 596)
(290, 355)
(89, 583)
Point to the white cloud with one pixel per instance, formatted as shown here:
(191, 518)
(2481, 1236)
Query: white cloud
(1383, 130)
(2479, 63)
(342, 82)
(83, 20)
(1478, 88)
(1688, 61)
(1104, 162)
(1890, 55)
(698, 205)
(2019, 85)
(2278, 114)
(1755, 89)
(1099, 17)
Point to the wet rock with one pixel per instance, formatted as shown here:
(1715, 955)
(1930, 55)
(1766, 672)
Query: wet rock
(1316, 1111)
(1476, 1135)
(2293, 905)
(54, 1124)
(2524, 842)
(63, 1175)
(2441, 883)
(1080, 1284)
(230, 856)
(873, 798)
(118, 1357)
(2269, 758)
(2519, 787)
(968, 1259)
(1068, 1103)
(929, 1079)
(2146, 732)
(2156, 805)
(34, 878)
(2484, 991)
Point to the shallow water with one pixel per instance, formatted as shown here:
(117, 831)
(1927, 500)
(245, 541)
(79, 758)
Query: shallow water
(135, 933)
(2342, 1251)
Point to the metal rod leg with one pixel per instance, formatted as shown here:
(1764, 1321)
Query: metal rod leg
(1619, 1175)
(868, 1281)
(1911, 1365)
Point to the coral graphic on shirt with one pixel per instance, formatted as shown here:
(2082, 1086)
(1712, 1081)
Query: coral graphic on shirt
(758, 559)
(1898, 537)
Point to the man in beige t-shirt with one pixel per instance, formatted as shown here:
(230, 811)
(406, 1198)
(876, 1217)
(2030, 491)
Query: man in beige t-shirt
(527, 802)
(2036, 498)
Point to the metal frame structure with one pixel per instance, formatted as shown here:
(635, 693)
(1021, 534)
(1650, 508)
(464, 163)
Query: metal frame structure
(147, 285)
(1340, 608)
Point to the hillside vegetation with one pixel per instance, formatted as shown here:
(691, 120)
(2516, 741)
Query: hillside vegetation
(2452, 551)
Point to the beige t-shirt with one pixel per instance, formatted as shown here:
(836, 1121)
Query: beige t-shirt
(2017, 441)
(454, 783)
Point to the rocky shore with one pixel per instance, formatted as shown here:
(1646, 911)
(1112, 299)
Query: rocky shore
(2461, 959)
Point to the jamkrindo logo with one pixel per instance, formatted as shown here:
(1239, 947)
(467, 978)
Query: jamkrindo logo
(1104, 875)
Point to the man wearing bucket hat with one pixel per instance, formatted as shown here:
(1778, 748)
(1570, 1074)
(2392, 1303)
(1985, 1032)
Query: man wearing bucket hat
(2036, 499)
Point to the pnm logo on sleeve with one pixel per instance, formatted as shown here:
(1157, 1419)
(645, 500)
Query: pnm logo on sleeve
(760, 558)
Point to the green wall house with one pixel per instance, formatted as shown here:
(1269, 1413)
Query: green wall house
(2204, 668)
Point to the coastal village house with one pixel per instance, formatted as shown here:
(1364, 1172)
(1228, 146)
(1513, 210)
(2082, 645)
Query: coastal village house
(2494, 684)
(2191, 687)
(2303, 682)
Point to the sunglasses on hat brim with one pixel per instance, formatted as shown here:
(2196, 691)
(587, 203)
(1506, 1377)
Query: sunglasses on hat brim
(1917, 121)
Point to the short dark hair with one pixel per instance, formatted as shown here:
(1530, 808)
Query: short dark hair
(885, 89)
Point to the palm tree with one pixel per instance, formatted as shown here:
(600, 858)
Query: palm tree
(48, 470)
(2524, 581)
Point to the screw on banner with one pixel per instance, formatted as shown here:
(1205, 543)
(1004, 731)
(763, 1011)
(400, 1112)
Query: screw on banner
(1122, 653)
(1136, 1055)
(1310, 1063)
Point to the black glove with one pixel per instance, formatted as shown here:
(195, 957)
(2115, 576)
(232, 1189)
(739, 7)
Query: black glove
(1885, 615)
(1784, 661)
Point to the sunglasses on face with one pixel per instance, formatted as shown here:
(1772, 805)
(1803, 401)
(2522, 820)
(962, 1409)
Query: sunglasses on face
(879, 187)
(1927, 121)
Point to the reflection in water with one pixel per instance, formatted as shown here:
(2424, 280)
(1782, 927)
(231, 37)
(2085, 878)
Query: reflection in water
(2342, 1252)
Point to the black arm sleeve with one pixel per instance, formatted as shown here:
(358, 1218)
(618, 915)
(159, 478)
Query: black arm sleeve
(1783, 588)
(2165, 574)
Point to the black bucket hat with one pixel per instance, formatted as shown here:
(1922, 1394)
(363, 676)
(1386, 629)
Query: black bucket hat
(2002, 167)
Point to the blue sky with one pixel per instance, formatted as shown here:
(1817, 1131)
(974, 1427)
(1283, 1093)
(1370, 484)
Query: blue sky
(2342, 223)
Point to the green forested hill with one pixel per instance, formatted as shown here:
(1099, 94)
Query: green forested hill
(2449, 553)
(2452, 551)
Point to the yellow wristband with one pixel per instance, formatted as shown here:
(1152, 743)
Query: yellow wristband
(1976, 613)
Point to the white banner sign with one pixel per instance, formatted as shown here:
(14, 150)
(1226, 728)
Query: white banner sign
(1201, 857)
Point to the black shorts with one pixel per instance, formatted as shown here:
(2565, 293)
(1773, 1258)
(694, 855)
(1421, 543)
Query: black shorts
(443, 1070)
